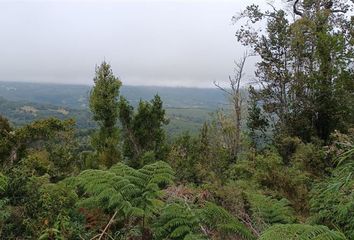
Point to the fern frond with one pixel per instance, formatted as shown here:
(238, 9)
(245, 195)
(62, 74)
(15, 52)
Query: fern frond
(177, 222)
(3, 182)
(332, 199)
(270, 210)
(121, 188)
(217, 218)
(300, 232)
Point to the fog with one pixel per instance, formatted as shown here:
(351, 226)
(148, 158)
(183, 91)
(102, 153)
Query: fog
(167, 43)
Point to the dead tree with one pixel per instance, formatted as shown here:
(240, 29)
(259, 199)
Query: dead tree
(234, 93)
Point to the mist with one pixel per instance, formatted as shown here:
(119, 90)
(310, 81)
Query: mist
(169, 43)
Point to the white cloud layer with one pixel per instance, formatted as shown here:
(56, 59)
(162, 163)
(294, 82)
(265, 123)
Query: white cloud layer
(170, 42)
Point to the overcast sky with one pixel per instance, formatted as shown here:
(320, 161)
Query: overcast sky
(169, 43)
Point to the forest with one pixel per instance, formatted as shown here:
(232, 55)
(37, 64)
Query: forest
(288, 174)
(186, 108)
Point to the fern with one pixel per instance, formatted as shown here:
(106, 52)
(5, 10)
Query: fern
(300, 232)
(51, 234)
(132, 196)
(4, 210)
(124, 189)
(218, 219)
(271, 210)
(3, 183)
(178, 222)
(332, 201)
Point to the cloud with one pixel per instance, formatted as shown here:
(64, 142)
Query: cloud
(184, 43)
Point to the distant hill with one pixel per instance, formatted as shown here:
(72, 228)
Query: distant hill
(187, 108)
(21, 112)
(75, 96)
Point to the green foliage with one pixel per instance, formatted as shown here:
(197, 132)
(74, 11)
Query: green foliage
(270, 210)
(3, 183)
(304, 72)
(257, 123)
(180, 221)
(143, 130)
(309, 157)
(226, 188)
(46, 146)
(43, 129)
(104, 96)
(254, 206)
(51, 234)
(199, 159)
(312, 158)
(187, 110)
(332, 201)
(104, 107)
(22, 140)
(54, 200)
(134, 195)
(5, 138)
(26, 218)
(34, 162)
(219, 220)
(183, 157)
(271, 174)
(4, 211)
(123, 188)
(63, 228)
(300, 232)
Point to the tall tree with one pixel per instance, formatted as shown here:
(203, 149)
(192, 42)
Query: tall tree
(257, 123)
(322, 45)
(144, 136)
(304, 73)
(104, 107)
(234, 93)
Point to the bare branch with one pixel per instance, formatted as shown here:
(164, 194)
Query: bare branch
(216, 84)
(296, 11)
(107, 226)
(339, 11)
(232, 138)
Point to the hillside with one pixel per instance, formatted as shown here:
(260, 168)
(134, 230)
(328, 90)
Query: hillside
(187, 108)
(75, 96)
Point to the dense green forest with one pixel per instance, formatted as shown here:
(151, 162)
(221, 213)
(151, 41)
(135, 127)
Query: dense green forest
(186, 108)
(287, 175)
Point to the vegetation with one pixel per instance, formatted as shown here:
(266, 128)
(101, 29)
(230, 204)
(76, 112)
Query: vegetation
(288, 174)
(104, 108)
(186, 108)
(144, 135)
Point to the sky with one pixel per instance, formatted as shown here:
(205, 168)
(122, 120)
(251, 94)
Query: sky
(188, 43)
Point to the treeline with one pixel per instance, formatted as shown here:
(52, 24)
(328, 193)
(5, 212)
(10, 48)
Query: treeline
(288, 176)
(21, 113)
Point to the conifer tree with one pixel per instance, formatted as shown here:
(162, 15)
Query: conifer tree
(104, 107)
(143, 130)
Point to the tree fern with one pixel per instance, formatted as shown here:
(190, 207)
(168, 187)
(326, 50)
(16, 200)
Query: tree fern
(179, 221)
(132, 196)
(300, 232)
(124, 189)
